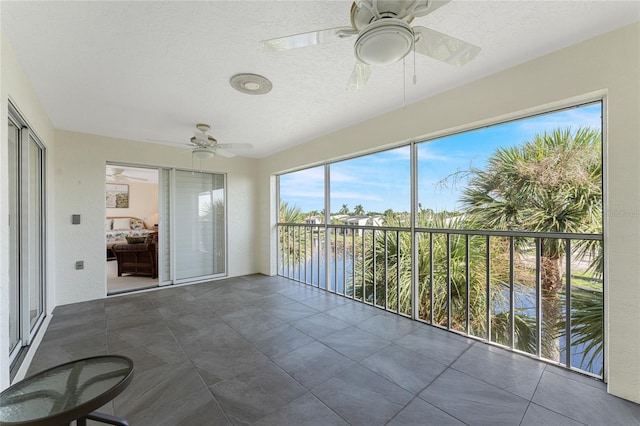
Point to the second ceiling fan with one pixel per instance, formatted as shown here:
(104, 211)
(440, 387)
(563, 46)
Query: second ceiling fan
(384, 36)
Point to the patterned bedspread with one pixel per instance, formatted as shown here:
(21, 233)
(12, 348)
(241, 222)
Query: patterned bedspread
(120, 236)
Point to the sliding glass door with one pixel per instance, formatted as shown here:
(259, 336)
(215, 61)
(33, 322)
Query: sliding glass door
(14, 246)
(198, 225)
(26, 167)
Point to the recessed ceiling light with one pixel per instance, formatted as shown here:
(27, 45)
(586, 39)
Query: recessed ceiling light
(251, 84)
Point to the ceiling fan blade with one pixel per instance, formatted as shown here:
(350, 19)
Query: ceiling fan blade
(234, 146)
(134, 178)
(224, 153)
(444, 48)
(359, 76)
(426, 7)
(307, 39)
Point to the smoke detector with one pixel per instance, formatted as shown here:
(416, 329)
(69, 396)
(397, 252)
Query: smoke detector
(251, 84)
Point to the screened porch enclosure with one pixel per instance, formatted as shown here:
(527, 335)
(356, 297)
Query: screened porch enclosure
(488, 285)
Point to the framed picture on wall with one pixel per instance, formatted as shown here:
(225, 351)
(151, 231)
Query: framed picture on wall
(117, 196)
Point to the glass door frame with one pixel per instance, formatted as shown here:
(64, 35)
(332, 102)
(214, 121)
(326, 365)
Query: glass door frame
(27, 139)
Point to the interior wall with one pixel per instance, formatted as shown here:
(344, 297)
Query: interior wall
(143, 202)
(607, 66)
(15, 86)
(80, 185)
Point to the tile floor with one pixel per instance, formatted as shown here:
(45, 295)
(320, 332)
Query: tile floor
(269, 351)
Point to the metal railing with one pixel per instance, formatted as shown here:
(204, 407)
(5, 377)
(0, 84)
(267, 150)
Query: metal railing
(514, 289)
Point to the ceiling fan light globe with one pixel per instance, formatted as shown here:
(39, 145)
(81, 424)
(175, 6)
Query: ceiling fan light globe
(384, 42)
(203, 153)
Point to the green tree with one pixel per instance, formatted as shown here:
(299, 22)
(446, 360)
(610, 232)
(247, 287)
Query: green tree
(552, 183)
(290, 214)
(358, 210)
(344, 209)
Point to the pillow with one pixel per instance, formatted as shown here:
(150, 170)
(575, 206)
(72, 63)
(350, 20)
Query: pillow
(122, 224)
(137, 224)
(135, 240)
(108, 224)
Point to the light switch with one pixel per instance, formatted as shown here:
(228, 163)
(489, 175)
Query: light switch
(75, 219)
(80, 264)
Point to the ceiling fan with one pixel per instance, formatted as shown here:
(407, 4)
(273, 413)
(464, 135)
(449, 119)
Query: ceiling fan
(384, 36)
(119, 174)
(206, 146)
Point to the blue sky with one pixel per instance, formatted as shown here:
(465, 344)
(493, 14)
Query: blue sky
(381, 181)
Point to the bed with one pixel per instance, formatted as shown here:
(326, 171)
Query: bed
(119, 228)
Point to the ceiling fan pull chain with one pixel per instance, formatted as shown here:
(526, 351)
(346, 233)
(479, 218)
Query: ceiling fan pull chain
(404, 83)
(415, 78)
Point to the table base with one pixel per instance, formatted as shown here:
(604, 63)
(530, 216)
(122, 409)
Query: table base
(102, 418)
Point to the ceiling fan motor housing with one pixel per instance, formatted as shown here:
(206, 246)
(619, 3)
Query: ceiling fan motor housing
(384, 41)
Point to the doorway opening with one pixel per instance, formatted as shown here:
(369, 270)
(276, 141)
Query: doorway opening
(131, 228)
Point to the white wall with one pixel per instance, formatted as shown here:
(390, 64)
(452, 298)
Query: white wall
(608, 66)
(15, 86)
(143, 202)
(80, 178)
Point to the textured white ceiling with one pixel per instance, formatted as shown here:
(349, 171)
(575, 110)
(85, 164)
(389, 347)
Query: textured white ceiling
(152, 70)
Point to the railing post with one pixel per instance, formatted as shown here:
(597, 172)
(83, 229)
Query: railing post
(448, 281)
(538, 298)
(467, 275)
(512, 320)
(488, 271)
(568, 301)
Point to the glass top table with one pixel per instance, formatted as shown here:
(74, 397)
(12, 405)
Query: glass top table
(68, 392)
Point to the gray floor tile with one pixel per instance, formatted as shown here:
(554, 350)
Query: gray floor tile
(584, 403)
(252, 322)
(474, 401)
(354, 343)
(162, 396)
(540, 416)
(133, 319)
(439, 345)
(227, 361)
(149, 346)
(512, 372)
(421, 413)
(320, 325)
(192, 323)
(301, 292)
(585, 380)
(325, 301)
(313, 364)
(354, 313)
(291, 312)
(250, 396)
(362, 397)
(260, 344)
(304, 411)
(208, 414)
(81, 309)
(389, 326)
(280, 340)
(403, 367)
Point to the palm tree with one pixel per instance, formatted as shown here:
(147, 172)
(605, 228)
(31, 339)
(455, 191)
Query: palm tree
(358, 210)
(290, 249)
(552, 183)
(344, 209)
(393, 288)
(290, 214)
